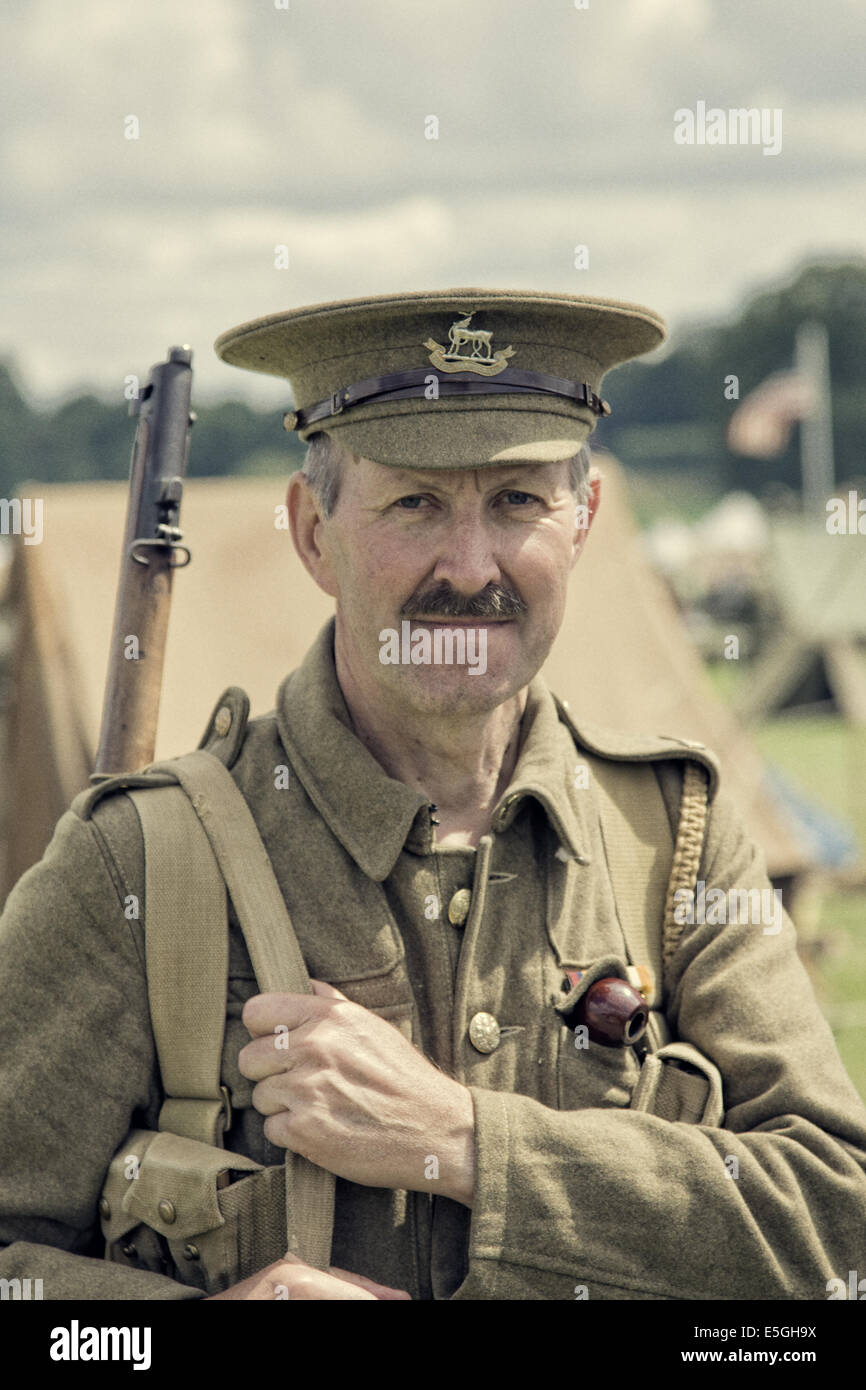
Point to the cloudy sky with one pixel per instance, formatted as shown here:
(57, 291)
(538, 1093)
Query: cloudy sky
(306, 126)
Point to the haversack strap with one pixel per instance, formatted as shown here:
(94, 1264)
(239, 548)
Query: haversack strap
(276, 958)
(639, 847)
(187, 962)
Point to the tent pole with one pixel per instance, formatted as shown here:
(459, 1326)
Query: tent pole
(816, 428)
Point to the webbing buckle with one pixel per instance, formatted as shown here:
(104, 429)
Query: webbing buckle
(336, 403)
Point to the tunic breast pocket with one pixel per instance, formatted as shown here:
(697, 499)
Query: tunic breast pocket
(589, 1073)
(388, 995)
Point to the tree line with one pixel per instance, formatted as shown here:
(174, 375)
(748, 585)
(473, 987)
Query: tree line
(669, 415)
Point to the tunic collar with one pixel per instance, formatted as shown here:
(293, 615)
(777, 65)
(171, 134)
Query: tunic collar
(373, 815)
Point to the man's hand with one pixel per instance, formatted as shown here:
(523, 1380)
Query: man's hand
(348, 1091)
(290, 1278)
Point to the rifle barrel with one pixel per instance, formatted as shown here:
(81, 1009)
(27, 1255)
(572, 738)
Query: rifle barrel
(151, 552)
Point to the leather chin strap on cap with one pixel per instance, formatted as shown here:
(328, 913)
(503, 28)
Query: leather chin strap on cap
(404, 385)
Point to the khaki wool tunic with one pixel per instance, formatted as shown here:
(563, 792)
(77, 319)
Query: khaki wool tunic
(575, 1193)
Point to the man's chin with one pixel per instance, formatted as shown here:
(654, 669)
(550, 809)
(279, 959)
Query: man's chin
(455, 690)
(460, 666)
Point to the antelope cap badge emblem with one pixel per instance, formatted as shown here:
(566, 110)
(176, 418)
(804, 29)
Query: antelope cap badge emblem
(480, 358)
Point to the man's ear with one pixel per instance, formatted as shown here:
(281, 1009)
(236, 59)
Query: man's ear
(584, 513)
(307, 524)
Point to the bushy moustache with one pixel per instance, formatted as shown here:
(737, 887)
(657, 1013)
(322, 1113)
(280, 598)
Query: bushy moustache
(441, 601)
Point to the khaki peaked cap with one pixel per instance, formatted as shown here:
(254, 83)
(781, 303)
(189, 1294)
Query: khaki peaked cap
(473, 361)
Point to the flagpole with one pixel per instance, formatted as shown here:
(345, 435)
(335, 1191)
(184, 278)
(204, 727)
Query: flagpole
(816, 428)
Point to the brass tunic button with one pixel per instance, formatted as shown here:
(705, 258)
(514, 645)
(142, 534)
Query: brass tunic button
(458, 908)
(484, 1033)
(223, 720)
(105, 1208)
(167, 1211)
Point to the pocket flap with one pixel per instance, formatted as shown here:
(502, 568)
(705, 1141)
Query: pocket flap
(176, 1191)
(122, 1171)
(597, 970)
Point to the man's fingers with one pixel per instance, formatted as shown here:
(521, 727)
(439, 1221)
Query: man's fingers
(277, 1127)
(327, 991)
(265, 1056)
(265, 1013)
(268, 1101)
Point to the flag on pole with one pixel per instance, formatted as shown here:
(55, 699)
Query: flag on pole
(761, 425)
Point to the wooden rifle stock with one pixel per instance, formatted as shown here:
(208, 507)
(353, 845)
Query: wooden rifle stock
(151, 551)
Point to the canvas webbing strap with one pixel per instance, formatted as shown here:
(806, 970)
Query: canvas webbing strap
(646, 869)
(639, 848)
(276, 958)
(187, 962)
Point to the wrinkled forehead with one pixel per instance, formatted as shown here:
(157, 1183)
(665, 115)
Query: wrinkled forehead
(481, 478)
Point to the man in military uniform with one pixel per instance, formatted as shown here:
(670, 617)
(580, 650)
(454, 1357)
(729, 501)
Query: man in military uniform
(445, 847)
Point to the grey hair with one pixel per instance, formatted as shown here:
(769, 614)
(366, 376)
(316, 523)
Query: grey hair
(324, 462)
(323, 469)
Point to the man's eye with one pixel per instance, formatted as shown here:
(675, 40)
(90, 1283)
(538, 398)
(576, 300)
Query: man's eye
(411, 504)
(515, 498)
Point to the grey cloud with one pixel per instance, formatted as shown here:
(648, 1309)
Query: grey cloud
(307, 126)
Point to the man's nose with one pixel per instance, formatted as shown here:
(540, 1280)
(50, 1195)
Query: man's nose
(466, 557)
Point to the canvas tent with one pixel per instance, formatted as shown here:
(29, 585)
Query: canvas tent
(245, 612)
(815, 654)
